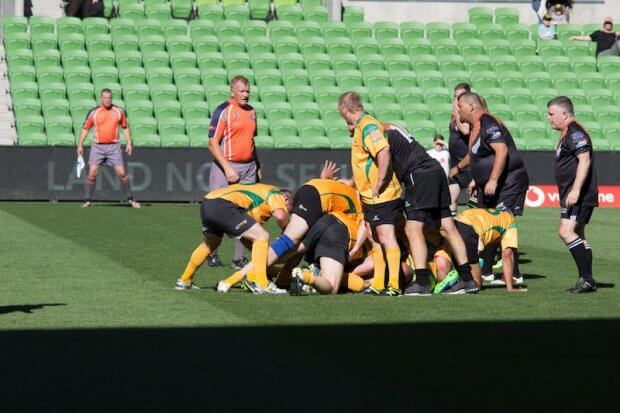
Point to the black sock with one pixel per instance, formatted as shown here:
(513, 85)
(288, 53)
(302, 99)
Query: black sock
(464, 271)
(89, 189)
(578, 251)
(422, 276)
(589, 255)
(126, 188)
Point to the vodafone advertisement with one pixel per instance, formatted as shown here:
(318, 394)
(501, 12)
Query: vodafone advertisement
(547, 196)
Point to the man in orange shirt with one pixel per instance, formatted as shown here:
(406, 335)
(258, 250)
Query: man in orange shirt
(106, 148)
(231, 142)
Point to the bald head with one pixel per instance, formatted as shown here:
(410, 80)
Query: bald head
(469, 106)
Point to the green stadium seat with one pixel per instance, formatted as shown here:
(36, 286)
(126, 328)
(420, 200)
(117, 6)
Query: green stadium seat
(283, 128)
(584, 112)
(132, 11)
(502, 111)
(550, 48)
(391, 47)
(398, 63)
(595, 129)
(319, 61)
(419, 47)
(414, 112)
(451, 79)
(599, 97)
(287, 142)
(360, 48)
(157, 11)
(285, 45)
(317, 142)
(259, 9)
(277, 111)
(430, 79)
(174, 27)
(425, 63)
(583, 64)
(77, 74)
(171, 126)
(344, 62)
(120, 27)
(178, 140)
(146, 140)
(348, 79)
(578, 96)
(199, 28)
(577, 49)
(280, 28)
(181, 9)
(478, 63)
(463, 31)
(437, 95)
(510, 80)
(352, 14)
(290, 61)
(608, 64)
(437, 31)
(538, 80)
(444, 47)
(525, 113)
(258, 45)
(607, 114)
(450, 63)
(51, 74)
(58, 125)
(14, 24)
(480, 15)
(566, 80)
(483, 79)
(312, 45)
(46, 58)
(321, 79)
(167, 109)
(210, 60)
(162, 92)
(271, 94)
(376, 79)
(531, 64)
(290, 13)
(65, 25)
(557, 64)
(380, 96)
(307, 29)
(311, 128)
(564, 31)
(238, 12)
(371, 62)
(518, 96)
(29, 125)
(266, 77)
(409, 96)
(190, 93)
(471, 47)
(22, 73)
(441, 113)
(542, 96)
(45, 41)
(316, 13)
(359, 30)
(139, 108)
(22, 57)
(212, 12)
(506, 15)
(593, 80)
(261, 141)
(504, 64)
(490, 31)
(492, 95)
(55, 107)
(497, 47)
(411, 30)
(516, 32)
(385, 30)
(32, 139)
(300, 94)
(24, 90)
(305, 111)
(327, 97)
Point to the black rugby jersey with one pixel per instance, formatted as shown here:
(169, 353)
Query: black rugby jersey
(458, 146)
(575, 140)
(407, 154)
(488, 130)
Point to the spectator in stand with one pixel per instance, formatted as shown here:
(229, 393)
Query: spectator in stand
(84, 8)
(559, 10)
(440, 153)
(546, 30)
(607, 43)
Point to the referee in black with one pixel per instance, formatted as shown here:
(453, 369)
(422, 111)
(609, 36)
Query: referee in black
(427, 198)
(575, 176)
(458, 146)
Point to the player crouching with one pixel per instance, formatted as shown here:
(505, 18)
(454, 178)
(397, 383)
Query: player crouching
(482, 228)
(327, 245)
(240, 210)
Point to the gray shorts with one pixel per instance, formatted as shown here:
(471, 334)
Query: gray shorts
(247, 174)
(108, 154)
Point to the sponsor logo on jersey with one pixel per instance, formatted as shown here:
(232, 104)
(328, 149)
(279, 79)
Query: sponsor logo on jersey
(302, 207)
(242, 223)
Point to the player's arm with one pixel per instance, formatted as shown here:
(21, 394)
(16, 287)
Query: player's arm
(583, 167)
(127, 133)
(347, 181)
(88, 123)
(462, 164)
(359, 240)
(281, 217)
(501, 157)
(383, 166)
(259, 169)
(583, 38)
(216, 131)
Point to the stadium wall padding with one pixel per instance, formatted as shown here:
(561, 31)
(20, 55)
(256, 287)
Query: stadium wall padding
(182, 175)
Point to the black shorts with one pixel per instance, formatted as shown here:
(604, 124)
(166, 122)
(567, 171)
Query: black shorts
(577, 213)
(470, 238)
(328, 237)
(383, 213)
(463, 178)
(221, 217)
(307, 204)
(512, 203)
(427, 195)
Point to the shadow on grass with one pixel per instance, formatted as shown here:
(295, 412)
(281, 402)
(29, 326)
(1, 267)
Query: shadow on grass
(425, 367)
(605, 285)
(26, 308)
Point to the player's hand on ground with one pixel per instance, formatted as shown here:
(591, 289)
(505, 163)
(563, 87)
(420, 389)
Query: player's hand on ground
(232, 176)
(80, 150)
(259, 175)
(329, 171)
(490, 188)
(129, 148)
(572, 198)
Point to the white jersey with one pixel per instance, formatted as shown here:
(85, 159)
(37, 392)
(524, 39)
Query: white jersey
(443, 157)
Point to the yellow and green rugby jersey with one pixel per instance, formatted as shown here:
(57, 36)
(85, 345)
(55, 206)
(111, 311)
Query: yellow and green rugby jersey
(258, 200)
(336, 196)
(492, 226)
(368, 139)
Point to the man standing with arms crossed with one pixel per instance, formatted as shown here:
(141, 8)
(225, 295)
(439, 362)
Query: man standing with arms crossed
(575, 175)
(231, 142)
(106, 149)
(379, 190)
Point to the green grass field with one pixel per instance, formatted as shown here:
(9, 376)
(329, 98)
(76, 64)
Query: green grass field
(89, 318)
